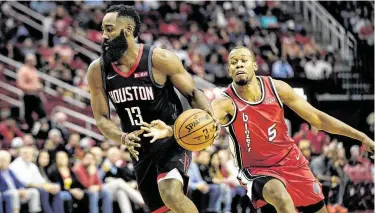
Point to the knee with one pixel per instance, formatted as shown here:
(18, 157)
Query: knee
(170, 191)
(276, 194)
(106, 193)
(214, 188)
(11, 194)
(35, 192)
(93, 196)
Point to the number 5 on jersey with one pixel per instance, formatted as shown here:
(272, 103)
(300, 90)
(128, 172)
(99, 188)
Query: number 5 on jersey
(272, 132)
(135, 115)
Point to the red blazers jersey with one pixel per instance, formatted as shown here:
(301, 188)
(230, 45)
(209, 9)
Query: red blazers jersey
(257, 129)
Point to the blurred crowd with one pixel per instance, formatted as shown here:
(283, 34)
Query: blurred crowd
(359, 21)
(46, 167)
(200, 33)
(79, 174)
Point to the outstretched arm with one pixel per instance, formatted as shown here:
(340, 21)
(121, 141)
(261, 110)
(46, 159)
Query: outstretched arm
(318, 118)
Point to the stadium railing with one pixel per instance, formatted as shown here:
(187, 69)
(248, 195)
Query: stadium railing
(49, 81)
(329, 29)
(18, 103)
(89, 122)
(45, 27)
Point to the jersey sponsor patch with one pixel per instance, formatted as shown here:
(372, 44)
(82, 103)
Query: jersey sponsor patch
(140, 74)
(270, 100)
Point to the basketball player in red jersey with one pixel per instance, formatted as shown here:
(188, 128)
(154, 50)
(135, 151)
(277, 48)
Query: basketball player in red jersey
(272, 168)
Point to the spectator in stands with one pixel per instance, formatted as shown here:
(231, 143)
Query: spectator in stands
(355, 156)
(71, 188)
(317, 69)
(27, 172)
(14, 190)
(43, 163)
(119, 181)
(201, 185)
(268, 20)
(28, 80)
(9, 50)
(57, 122)
(88, 175)
(220, 176)
(98, 152)
(8, 131)
(305, 147)
(64, 50)
(16, 144)
(214, 68)
(8, 208)
(319, 167)
(28, 140)
(54, 143)
(316, 138)
(282, 69)
(72, 147)
(27, 47)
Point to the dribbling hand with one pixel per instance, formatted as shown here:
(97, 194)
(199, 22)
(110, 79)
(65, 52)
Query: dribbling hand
(217, 124)
(130, 142)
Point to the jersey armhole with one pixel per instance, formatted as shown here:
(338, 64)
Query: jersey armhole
(150, 68)
(235, 112)
(275, 92)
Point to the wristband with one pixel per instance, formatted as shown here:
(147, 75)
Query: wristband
(123, 136)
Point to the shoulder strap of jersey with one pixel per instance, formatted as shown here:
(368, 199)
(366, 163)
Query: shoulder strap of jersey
(273, 88)
(104, 82)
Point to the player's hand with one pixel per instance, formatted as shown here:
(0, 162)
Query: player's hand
(130, 142)
(369, 145)
(157, 130)
(217, 123)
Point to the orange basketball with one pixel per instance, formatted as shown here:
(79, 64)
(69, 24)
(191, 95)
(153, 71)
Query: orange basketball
(194, 130)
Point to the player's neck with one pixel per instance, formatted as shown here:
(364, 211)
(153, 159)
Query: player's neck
(252, 91)
(130, 55)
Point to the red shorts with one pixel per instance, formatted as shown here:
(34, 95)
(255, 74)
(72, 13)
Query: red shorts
(297, 177)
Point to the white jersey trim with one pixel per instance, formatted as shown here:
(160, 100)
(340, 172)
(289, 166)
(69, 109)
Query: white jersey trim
(248, 102)
(235, 111)
(275, 91)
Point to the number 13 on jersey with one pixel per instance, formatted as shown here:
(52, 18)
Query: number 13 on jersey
(135, 115)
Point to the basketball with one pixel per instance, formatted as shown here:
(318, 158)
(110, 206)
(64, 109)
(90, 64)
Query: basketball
(194, 130)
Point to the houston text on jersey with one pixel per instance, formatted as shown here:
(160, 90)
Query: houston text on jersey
(134, 93)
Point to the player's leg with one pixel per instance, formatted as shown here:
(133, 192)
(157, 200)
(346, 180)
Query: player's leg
(172, 179)
(275, 193)
(172, 194)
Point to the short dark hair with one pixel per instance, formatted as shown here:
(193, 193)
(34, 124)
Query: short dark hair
(125, 11)
(244, 47)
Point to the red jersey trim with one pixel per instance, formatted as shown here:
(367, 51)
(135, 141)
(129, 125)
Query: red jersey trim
(263, 90)
(275, 92)
(235, 111)
(126, 75)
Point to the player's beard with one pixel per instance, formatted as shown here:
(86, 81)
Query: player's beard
(243, 82)
(116, 47)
